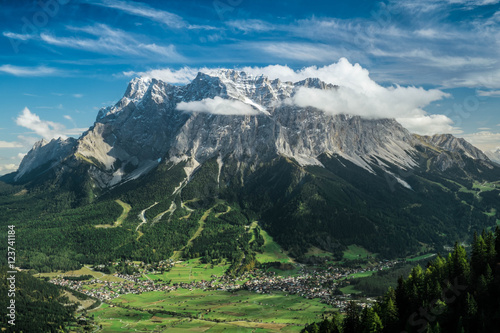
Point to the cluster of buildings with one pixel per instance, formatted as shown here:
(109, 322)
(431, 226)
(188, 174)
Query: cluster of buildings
(309, 283)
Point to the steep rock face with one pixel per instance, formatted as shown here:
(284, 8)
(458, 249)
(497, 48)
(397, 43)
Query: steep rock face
(45, 155)
(447, 151)
(456, 145)
(146, 127)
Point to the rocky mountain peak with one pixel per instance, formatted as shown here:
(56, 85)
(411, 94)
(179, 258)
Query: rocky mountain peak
(45, 154)
(454, 144)
(146, 127)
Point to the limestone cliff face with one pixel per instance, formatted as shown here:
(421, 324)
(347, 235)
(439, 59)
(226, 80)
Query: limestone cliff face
(147, 127)
(44, 155)
(451, 151)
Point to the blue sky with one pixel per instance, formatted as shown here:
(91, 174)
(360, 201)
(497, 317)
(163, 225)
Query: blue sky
(62, 60)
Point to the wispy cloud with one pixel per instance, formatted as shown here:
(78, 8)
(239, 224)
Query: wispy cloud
(180, 76)
(489, 93)
(6, 144)
(29, 71)
(143, 10)
(78, 95)
(110, 41)
(252, 25)
(13, 35)
(401, 37)
(311, 52)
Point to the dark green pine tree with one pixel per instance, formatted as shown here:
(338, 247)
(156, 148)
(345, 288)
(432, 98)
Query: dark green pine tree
(351, 321)
(370, 321)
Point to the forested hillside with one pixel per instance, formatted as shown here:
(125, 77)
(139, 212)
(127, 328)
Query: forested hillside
(453, 294)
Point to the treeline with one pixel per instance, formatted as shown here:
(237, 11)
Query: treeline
(453, 294)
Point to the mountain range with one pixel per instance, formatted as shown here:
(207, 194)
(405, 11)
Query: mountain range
(310, 178)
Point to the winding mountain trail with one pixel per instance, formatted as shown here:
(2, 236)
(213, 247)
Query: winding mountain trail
(170, 210)
(142, 217)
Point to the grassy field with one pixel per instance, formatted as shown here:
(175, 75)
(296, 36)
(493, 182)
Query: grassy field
(272, 251)
(126, 209)
(356, 252)
(115, 319)
(189, 271)
(350, 290)
(261, 312)
(83, 271)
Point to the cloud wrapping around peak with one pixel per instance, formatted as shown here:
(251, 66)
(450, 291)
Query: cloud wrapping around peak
(218, 106)
(357, 94)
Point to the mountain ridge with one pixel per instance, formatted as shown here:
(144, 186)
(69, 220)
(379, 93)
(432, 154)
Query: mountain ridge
(119, 135)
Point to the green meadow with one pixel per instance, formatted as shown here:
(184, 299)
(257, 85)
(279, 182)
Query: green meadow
(271, 251)
(190, 271)
(354, 252)
(208, 311)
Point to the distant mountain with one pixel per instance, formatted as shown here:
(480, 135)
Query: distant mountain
(310, 178)
(494, 155)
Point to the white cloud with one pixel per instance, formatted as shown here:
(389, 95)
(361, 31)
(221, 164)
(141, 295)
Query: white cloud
(7, 168)
(110, 41)
(46, 129)
(29, 71)
(485, 140)
(218, 106)
(14, 35)
(6, 144)
(77, 95)
(357, 94)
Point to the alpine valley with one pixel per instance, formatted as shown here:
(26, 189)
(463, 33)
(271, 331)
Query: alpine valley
(185, 171)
